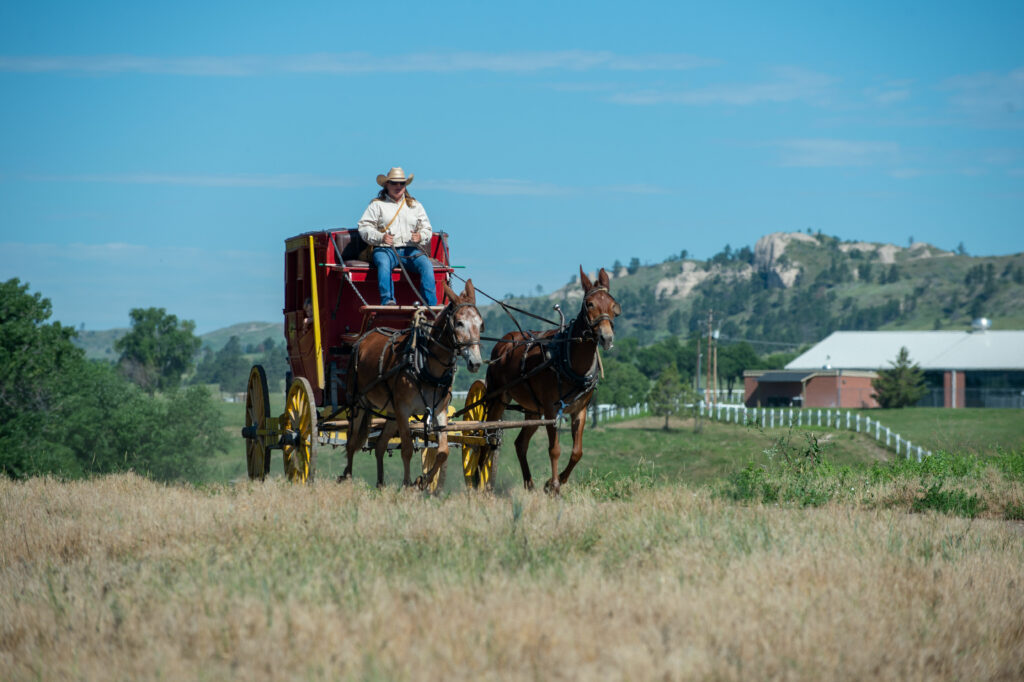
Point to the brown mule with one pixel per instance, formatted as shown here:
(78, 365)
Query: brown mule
(552, 376)
(402, 373)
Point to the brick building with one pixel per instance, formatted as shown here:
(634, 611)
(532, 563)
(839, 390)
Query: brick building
(962, 369)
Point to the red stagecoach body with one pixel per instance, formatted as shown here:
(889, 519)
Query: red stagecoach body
(340, 314)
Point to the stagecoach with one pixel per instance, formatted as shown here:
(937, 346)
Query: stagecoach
(331, 305)
(330, 302)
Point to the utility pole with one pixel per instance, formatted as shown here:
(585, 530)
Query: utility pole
(696, 381)
(707, 384)
(714, 372)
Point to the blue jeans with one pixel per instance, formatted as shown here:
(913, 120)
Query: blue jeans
(415, 263)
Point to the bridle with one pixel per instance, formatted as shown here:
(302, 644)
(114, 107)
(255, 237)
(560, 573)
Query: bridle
(592, 324)
(448, 329)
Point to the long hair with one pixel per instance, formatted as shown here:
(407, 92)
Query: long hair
(410, 200)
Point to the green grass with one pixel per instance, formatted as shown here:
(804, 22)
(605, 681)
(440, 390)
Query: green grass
(621, 450)
(971, 430)
(640, 449)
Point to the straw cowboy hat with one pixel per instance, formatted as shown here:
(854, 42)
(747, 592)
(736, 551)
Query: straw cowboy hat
(395, 175)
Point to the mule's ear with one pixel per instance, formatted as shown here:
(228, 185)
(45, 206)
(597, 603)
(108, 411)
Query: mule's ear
(450, 293)
(602, 278)
(584, 280)
(469, 293)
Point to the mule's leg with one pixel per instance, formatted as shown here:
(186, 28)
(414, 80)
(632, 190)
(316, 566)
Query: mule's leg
(579, 420)
(523, 447)
(494, 411)
(358, 427)
(386, 434)
(405, 434)
(423, 482)
(554, 451)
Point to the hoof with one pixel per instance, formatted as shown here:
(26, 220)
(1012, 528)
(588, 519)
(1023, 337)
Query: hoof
(551, 487)
(347, 476)
(421, 483)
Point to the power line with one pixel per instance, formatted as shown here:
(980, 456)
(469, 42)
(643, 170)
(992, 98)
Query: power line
(790, 344)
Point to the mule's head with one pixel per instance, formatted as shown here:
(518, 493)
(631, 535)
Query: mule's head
(600, 308)
(466, 324)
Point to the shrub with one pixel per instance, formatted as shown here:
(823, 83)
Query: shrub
(955, 501)
(1014, 511)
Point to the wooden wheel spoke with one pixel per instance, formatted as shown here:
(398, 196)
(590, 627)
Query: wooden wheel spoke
(257, 409)
(477, 476)
(300, 418)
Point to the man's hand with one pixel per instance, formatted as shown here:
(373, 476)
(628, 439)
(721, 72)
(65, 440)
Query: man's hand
(415, 238)
(388, 239)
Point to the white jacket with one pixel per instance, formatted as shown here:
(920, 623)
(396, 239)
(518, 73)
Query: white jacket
(411, 218)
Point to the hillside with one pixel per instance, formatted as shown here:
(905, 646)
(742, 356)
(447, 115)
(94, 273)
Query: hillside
(99, 345)
(796, 288)
(790, 289)
(248, 333)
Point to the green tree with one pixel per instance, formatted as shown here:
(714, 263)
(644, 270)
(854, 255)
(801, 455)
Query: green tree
(61, 414)
(275, 362)
(227, 367)
(733, 359)
(901, 385)
(676, 322)
(158, 350)
(666, 396)
(623, 384)
(651, 360)
(35, 357)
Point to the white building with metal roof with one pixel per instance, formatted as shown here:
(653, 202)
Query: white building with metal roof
(978, 368)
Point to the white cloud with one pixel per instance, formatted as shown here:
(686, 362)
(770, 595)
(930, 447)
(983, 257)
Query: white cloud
(496, 187)
(891, 96)
(830, 152)
(271, 181)
(787, 85)
(484, 186)
(509, 187)
(357, 63)
(988, 94)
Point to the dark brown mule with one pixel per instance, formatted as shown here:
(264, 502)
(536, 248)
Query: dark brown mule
(554, 375)
(402, 373)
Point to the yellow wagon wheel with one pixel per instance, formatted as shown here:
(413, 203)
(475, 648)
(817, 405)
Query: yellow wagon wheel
(478, 475)
(257, 408)
(298, 427)
(429, 457)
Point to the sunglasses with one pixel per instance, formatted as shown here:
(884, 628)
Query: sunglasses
(396, 184)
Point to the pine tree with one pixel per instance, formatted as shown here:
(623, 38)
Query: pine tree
(900, 386)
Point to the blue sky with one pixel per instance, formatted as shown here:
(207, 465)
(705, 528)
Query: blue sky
(160, 155)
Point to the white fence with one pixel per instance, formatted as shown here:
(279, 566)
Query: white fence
(604, 411)
(772, 417)
(781, 417)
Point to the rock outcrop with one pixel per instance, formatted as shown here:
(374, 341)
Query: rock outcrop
(768, 253)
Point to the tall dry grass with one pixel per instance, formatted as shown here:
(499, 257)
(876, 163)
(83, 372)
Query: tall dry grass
(121, 578)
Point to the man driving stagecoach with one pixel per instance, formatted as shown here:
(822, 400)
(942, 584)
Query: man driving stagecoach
(396, 226)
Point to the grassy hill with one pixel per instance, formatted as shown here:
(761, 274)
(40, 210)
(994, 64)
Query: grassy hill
(796, 288)
(99, 345)
(247, 333)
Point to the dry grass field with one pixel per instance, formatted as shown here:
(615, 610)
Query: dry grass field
(120, 578)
